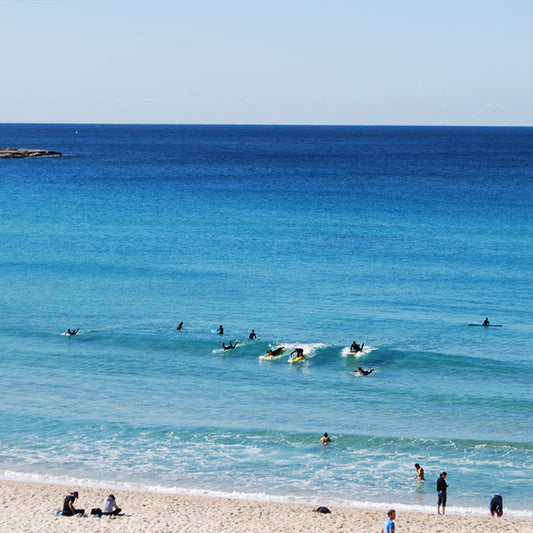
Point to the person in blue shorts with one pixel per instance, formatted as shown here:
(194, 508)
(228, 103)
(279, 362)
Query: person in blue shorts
(442, 486)
(388, 526)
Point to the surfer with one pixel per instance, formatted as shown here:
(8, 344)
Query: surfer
(277, 351)
(73, 332)
(354, 348)
(180, 326)
(252, 335)
(298, 351)
(486, 322)
(220, 330)
(229, 346)
(363, 372)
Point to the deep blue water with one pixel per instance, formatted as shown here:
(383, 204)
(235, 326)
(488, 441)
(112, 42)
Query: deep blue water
(312, 236)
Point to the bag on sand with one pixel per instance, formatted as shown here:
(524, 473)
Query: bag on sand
(324, 510)
(97, 512)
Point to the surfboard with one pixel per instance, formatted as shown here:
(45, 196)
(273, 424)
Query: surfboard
(487, 326)
(297, 359)
(215, 332)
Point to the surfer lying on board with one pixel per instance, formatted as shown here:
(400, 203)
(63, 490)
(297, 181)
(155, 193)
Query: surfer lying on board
(73, 332)
(362, 372)
(356, 348)
(277, 351)
(298, 351)
(230, 346)
(486, 322)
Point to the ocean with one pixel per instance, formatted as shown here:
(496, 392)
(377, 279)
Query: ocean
(314, 237)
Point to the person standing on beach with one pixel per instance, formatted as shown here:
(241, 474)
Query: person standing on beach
(441, 491)
(68, 505)
(389, 526)
(419, 472)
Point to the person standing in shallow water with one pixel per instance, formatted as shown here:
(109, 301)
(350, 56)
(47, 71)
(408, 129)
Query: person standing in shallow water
(419, 472)
(442, 486)
(325, 439)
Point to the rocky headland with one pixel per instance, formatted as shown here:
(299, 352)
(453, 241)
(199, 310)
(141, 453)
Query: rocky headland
(13, 153)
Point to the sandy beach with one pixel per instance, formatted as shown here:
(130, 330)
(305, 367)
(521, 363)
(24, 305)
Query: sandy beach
(29, 507)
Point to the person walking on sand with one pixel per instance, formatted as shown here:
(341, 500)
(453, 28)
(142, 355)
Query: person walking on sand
(442, 486)
(389, 526)
(68, 505)
(419, 472)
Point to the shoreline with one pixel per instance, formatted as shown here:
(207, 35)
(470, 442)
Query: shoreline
(29, 507)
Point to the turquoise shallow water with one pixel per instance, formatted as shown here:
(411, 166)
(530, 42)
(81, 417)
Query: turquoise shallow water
(312, 236)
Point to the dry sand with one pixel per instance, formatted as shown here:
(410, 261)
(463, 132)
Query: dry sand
(28, 507)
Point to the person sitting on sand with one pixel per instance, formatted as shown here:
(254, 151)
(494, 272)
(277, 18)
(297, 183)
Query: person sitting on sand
(389, 526)
(277, 351)
(252, 335)
(363, 372)
(110, 506)
(486, 322)
(180, 326)
(325, 439)
(68, 505)
(419, 472)
(356, 348)
(229, 346)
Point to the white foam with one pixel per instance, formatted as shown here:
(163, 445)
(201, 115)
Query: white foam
(253, 496)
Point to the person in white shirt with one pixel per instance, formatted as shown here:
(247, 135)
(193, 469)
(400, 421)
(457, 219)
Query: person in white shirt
(110, 506)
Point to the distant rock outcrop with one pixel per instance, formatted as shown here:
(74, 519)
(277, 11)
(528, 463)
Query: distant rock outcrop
(12, 153)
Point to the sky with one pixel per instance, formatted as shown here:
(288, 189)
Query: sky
(360, 62)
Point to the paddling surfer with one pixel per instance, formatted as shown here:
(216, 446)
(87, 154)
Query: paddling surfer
(229, 346)
(277, 351)
(363, 372)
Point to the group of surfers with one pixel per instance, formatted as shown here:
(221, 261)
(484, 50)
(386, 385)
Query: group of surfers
(298, 353)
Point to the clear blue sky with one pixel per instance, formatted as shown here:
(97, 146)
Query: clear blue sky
(464, 62)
